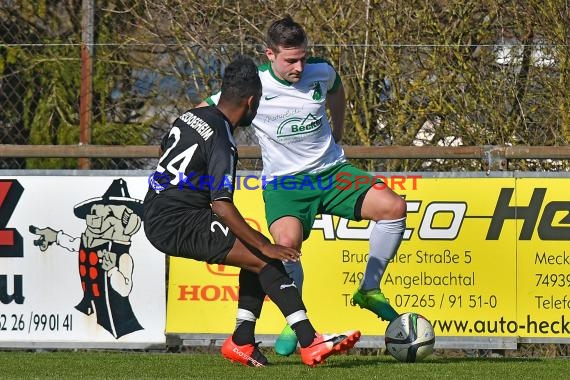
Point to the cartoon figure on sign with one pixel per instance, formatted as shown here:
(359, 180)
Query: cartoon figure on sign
(105, 265)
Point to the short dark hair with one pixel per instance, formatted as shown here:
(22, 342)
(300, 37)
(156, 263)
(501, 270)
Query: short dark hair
(241, 80)
(285, 33)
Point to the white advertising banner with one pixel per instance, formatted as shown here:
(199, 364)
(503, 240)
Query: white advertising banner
(75, 265)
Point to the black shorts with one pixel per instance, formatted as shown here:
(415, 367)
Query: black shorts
(188, 233)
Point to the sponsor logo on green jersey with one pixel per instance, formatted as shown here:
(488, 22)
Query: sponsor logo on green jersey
(297, 126)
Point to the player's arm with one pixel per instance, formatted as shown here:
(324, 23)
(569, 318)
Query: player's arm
(233, 219)
(336, 103)
(222, 168)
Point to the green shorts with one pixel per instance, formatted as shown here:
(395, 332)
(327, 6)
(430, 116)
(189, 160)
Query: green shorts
(338, 190)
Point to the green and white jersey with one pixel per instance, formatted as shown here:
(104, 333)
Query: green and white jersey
(291, 123)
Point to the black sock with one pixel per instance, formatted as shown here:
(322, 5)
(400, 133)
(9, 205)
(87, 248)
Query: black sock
(244, 333)
(282, 291)
(305, 332)
(251, 297)
(251, 294)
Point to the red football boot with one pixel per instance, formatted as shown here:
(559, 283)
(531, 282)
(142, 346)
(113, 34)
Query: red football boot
(326, 345)
(248, 354)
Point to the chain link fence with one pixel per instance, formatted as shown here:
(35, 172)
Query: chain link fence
(510, 92)
(134, 100)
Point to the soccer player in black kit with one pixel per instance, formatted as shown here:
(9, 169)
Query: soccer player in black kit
(189, 212)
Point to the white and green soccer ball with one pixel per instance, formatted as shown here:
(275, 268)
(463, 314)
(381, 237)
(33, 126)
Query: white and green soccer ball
(410, 338)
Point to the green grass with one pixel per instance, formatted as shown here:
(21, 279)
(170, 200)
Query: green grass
(137, 365)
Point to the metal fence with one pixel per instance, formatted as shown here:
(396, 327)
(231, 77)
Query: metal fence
(134, 102)
(488, 158)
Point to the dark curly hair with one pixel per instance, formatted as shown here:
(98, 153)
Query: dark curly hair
(241, 80)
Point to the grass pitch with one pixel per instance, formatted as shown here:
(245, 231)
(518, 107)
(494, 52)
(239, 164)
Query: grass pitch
(141, 365)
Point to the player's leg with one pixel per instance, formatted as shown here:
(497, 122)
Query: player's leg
(189, 235)
(250, 303)
(290, 213)
(365, 200)
(288, 231)
(388, 211)
(275, 282)
(240, 256)
(242, 342)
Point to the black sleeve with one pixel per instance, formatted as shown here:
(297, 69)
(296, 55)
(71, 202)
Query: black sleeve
(165, 143)
(222, 169)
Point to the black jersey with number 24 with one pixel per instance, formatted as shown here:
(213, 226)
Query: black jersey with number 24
(198, 162)
(197, 167)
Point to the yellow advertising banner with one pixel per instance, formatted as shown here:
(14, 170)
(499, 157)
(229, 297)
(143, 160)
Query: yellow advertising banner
(543, 256)
(471, 261)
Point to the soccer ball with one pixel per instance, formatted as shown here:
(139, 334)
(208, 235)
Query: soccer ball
(409, 338)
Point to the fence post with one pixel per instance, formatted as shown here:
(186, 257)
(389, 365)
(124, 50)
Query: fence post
(86, 91)
(494, 158)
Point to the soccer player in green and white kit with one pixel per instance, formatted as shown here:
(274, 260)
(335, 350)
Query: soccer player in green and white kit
(297, 141)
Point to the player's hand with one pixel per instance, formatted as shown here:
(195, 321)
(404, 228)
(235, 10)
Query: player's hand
(279, 252)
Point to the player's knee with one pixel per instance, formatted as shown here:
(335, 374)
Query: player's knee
(395, 209)
(398, 209)
(289, 241)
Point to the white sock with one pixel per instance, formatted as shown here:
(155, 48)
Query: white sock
(244, 315)
(385, 240)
